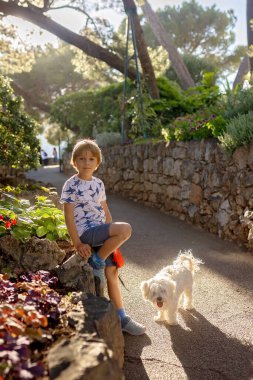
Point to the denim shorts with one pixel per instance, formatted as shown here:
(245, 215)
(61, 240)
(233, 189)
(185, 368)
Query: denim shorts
(95, 237)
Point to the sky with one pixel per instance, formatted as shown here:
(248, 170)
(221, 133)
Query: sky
(74, 20)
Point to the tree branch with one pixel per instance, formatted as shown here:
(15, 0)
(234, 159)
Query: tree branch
(78, 10)
(36, 17)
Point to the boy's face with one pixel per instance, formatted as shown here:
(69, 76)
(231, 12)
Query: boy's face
(86, 163)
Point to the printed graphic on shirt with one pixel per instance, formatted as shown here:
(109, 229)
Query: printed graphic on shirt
(87, 197)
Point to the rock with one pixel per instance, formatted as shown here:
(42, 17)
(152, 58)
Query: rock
(195, 194)
(98, 315)
(76, 274)
(33, 255)
(83, 357)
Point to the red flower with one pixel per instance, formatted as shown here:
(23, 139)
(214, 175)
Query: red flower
(1, 217)
(13, 222)
(8, 224)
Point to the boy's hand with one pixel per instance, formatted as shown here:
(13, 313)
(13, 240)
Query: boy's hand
(84, 250)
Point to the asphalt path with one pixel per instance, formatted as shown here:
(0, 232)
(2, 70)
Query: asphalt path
(214, 341)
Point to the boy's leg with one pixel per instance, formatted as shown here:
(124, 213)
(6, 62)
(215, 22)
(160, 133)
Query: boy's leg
(118, 234)
(111, 273)
(128, 324)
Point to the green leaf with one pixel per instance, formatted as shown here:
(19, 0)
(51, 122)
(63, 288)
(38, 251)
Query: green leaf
(2, 229)
(50, 226)
(62, 232)
(21, 234)
(41, 231)
(50, 236)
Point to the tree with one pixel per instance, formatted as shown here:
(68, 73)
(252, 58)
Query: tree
(38, 16)
(52, 75)
(197, 66)
(146, 64)
(19, 145)
(164, 39)
(249, 13)
(206, 33)
(15, 56)
(246, 65)
(244, 69)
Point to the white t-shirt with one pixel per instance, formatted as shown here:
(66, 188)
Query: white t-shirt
(87, 197)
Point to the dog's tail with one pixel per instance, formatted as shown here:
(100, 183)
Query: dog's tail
(192, 263)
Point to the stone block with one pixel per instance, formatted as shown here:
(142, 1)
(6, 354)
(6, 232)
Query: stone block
(196, 194)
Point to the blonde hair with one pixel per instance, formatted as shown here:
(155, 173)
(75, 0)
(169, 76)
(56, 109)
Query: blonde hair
(86, 145)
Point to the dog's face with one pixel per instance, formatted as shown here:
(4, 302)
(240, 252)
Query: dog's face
(158, 291)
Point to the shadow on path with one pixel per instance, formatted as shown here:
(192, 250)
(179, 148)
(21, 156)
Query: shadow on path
(157, 235)
(207, 353)
(133, 367)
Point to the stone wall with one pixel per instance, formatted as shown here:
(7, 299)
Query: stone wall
(195, 181)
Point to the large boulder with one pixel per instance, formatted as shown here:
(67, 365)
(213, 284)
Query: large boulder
(76, 274)
(96, 348)
(83, 357)
(98, 315)
(33, 255)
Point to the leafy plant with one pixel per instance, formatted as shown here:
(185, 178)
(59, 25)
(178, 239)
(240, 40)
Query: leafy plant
(143, 119)
(238, 102)
(28, 307)
(206, 94)
(239, 131)
(22, 220)
(23, 187)
(200, 125)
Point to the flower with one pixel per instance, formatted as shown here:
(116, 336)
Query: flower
(8, 224)
(13, 222)
(1, 217)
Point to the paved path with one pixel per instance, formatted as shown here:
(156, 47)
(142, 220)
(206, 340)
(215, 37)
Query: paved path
(214, 341)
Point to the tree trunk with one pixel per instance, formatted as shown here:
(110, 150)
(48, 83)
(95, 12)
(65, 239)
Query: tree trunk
(144, 58)
(180, 68)
(92, 49)
(242, 71)
(249, 30)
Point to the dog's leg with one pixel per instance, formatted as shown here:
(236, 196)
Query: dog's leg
(172, 314)
(161, 316)
(188, 302)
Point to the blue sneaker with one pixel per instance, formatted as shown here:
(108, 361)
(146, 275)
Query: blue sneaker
(98, 269)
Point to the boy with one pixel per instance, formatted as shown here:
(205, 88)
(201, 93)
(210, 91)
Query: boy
(89, 224)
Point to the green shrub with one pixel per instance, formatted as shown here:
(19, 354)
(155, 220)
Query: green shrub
(217, 125)
(238, 102)
(19, 145)
(142, 118)
(82, 111)
(238, 132)
(200, 125)
(206, 94)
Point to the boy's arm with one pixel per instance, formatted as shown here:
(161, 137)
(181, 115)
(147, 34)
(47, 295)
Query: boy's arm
(107, 212)
(83, 249)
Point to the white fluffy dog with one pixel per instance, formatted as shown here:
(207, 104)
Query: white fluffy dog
(170, 285)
